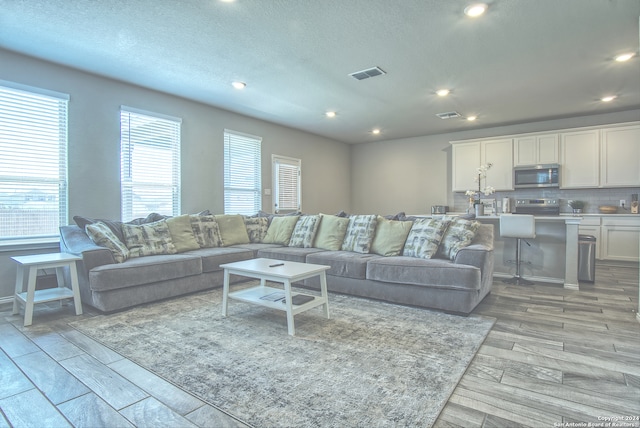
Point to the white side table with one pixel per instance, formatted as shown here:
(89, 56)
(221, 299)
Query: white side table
(31, 265)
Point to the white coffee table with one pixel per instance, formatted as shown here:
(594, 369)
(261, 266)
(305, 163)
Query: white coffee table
(277, 271)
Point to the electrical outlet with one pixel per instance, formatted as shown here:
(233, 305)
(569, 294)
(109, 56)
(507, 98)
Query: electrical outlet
(623, 203)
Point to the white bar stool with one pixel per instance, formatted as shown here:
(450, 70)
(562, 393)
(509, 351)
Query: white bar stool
(519, 226)
(31, 265)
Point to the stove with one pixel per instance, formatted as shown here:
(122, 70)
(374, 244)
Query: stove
(543, 206)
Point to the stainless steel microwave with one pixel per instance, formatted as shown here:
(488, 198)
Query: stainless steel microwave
(536, 176)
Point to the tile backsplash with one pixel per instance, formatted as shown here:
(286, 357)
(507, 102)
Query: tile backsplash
(593, 198)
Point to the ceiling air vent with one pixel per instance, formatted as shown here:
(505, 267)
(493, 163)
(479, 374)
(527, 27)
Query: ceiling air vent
(365, 74)
(448, 115)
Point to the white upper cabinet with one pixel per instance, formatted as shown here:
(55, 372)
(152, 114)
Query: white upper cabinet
(535, 150)
(466, 160)
(499, 153)
(580, 159)
(468, 156)
(620, 156)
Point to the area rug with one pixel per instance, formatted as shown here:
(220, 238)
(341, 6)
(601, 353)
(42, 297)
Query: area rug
(373, 364)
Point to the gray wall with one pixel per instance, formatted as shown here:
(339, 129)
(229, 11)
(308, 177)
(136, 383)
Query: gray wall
(412, 174)
(94, 144)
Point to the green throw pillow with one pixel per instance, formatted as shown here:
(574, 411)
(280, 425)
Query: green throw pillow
(182, 233)
(232, 229)
(331, 232)
(390, 236)
(280, 230)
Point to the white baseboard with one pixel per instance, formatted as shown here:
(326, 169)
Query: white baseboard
(8, 299)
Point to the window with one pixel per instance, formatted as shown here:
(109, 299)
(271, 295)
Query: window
(150, 163)
(242, 173)
(287, 176)
(33, 162)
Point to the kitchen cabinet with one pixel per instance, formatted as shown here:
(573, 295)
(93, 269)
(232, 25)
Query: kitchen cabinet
(580, 159)
(535, 150)
(620, 156)
(620, 238)
(468, 156)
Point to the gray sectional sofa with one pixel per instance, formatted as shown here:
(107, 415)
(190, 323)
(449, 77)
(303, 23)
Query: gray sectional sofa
(453, 284)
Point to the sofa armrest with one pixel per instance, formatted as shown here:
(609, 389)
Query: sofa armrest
(480, 256)
(74, 240)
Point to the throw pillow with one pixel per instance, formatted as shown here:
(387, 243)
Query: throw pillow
(102, 235)
(390, 237)
(459, 234)
(256, 228)
(182, 233)
(232, 229)
(280, 230)
(331, 231)
(116, 225)
(148, 239)
(206, 231)
(424, 237)
(305, 231)
(359, 234)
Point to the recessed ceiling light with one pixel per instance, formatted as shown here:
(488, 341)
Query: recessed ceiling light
(330, 114)
(471, 118)
(609, 98)
(442, 92)
(624, 57)
(239, 85)
(475, 10)
(375, 131)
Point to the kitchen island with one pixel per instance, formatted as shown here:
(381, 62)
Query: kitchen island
(552, 255)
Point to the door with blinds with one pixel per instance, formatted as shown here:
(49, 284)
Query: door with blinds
(287, 184)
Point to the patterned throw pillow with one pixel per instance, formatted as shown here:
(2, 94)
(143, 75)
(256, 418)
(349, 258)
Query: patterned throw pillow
(102, 235)
(424, 237)
(390, 236)
(256, 228)
(148, 239)
(360, 232)
(459, 234)
(305, 231)
(280, 230)
(206, 231)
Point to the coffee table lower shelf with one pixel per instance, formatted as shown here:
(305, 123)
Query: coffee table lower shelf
(256, 296)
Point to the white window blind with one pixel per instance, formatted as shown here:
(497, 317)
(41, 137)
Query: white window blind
(287, 176)
(150, 163)
(33, 162)
(242, 173)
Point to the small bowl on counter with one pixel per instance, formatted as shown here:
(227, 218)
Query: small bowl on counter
(608, 209)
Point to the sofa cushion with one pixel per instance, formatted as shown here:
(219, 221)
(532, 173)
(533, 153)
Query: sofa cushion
(206, 230)
(437, 273)
(343, 263)
(102, 235)
(359, 234)
(256, 228)
(424, 237)
(330, 234)
(148, 239)
(290, 254)
(459, 234)
(280, 230)
(182, 233)
(232, 229)
(390, 236)
(305, 231)
(144, 270)
(212, 258)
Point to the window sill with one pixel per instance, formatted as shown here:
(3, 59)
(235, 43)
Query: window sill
(14, 245)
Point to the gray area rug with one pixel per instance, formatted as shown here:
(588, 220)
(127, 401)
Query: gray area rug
(372, 364)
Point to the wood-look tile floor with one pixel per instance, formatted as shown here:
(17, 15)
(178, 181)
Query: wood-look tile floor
(554, 358)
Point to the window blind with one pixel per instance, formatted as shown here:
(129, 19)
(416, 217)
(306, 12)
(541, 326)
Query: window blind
(150, 163)
(242, 173)
(287, 174)
(33, 162)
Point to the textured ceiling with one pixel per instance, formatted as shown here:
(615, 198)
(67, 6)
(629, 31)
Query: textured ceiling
(522, 61)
